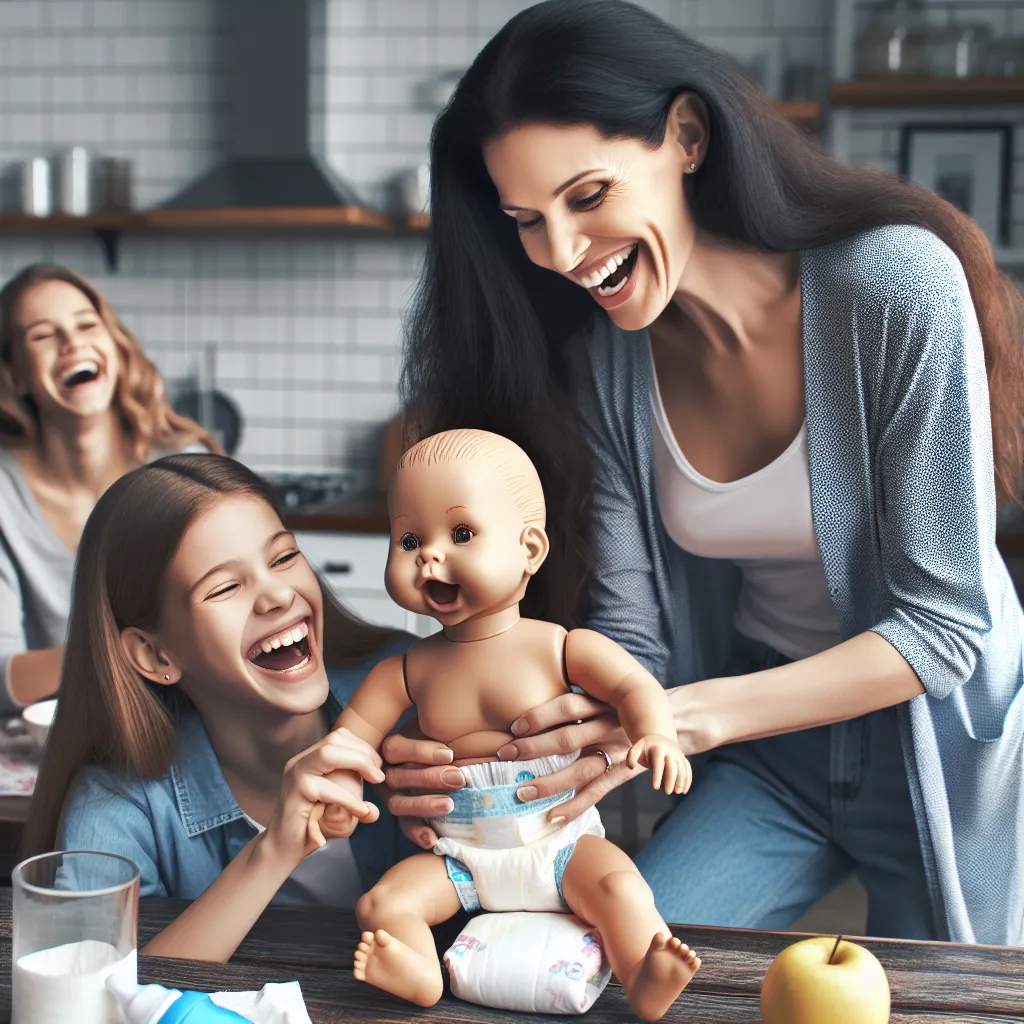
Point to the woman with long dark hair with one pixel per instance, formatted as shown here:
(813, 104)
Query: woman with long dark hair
(774, 401)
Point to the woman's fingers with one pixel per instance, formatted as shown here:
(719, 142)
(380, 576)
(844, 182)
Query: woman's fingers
(419, 832)
(439, 779)
(399, 749)
(422, 805)
(592, 732)
(570, 707)
(589, 795)
(581, 772)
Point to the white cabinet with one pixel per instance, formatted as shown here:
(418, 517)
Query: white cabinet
(352, 565)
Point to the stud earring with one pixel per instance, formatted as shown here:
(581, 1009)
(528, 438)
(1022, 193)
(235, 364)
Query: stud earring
(167, 678)
(693, 167)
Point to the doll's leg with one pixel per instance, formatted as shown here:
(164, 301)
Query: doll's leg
(396, 951)
(602, 886)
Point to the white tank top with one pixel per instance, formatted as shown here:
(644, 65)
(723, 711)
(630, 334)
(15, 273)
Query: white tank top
(761, 522)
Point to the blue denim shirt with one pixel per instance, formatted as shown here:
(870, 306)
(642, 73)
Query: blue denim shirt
(184, 829)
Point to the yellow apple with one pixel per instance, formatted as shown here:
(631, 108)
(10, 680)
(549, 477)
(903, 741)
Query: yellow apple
(809, 984)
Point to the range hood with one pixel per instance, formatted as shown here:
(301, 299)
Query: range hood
(269, 114)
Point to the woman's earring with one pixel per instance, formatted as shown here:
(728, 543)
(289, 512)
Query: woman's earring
(693, 167)
(167, 678)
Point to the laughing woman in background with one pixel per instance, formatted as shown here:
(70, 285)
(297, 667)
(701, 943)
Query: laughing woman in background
(80, 406)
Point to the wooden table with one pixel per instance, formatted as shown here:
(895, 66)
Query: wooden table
(932, 983)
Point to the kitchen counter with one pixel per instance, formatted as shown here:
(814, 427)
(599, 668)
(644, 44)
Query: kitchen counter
(362, 513)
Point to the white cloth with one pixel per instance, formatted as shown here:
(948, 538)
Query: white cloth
(531, 963)
(762, 522)
(145, 1004)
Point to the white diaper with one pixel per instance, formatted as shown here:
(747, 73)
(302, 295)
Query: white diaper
(501, 853)
(532, 963)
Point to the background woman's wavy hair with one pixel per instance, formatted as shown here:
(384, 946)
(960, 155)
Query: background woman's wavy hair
(148, 416)
(107, 714)
(490, 333)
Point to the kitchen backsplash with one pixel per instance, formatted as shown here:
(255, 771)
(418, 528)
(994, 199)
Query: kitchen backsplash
(307, 328)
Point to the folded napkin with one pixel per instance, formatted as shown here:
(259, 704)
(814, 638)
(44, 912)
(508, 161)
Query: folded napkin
(148, 1004)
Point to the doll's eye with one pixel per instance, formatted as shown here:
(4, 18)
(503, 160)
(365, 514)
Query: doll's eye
(462, 535)
(409, 542)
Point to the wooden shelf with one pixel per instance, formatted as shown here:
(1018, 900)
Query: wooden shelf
(18, 223)
(804, 112)
(894, 91)
(267, 218)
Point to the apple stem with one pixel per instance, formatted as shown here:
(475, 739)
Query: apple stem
(834, 948)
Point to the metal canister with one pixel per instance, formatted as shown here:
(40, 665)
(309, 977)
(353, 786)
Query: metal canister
(76, 181)
(37, 187)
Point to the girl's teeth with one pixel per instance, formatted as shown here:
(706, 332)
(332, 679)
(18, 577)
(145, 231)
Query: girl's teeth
(293, 636)
(266, 646)
(275, 643)
(286, 640)
(298, 633)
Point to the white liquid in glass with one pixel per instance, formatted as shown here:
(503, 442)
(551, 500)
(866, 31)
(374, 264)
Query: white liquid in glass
(65, 983)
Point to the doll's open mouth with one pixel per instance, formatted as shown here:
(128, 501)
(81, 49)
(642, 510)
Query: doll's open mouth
(442, 593)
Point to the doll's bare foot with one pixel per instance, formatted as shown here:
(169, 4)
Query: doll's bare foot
(666, 970)
(384, 961)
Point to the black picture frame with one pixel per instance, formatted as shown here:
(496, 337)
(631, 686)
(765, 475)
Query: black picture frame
(999, 231)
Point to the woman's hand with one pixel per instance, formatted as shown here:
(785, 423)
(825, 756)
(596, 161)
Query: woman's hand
(572, 722)
(422, 772)
(310, 788)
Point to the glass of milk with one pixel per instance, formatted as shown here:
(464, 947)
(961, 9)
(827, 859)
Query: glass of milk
(75, 919)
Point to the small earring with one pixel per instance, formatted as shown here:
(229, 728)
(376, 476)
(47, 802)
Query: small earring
(693, 167)
(167, 678)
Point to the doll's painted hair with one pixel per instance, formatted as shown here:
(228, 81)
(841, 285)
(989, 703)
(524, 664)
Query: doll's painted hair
(511, 462)
(107, 714)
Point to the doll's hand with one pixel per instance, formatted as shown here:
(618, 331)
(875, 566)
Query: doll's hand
(670, 771)
(296, 827)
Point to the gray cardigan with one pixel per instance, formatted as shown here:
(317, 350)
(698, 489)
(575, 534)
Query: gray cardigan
(900, 451)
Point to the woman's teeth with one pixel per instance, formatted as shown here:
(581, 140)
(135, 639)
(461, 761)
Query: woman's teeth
(595, 277)
(285, 639)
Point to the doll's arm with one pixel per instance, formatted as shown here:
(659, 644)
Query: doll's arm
(608, 672)
(378, 703)
(374, 710)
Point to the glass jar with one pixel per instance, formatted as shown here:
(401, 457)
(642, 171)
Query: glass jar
(894, 42)
(959, 50)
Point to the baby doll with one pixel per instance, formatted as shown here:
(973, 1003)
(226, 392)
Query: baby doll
(467, 533)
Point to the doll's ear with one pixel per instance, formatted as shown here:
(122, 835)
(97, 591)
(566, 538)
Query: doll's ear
(535, 540)
(143, 654)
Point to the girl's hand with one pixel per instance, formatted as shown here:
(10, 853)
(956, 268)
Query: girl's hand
(307, 790)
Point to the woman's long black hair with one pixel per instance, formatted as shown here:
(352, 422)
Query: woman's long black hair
(489, 334)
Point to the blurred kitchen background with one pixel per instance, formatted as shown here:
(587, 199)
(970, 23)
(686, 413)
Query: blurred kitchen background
(244, 179)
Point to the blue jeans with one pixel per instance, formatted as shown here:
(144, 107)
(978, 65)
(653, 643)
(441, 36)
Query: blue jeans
(771, 825)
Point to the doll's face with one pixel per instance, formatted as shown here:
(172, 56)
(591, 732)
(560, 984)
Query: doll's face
(242, 613)
(585, 204)
(459, 547)
(64, 358)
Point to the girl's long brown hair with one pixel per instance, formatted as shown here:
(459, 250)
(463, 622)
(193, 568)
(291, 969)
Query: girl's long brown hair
(107, 714)
(491, 337)
(147, 415)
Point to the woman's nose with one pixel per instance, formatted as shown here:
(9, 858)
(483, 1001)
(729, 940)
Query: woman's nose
(566, 245)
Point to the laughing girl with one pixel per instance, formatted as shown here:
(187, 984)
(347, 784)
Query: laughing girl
(203, 668)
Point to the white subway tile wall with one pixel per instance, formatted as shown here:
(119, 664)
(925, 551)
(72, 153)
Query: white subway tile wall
(307, 328)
